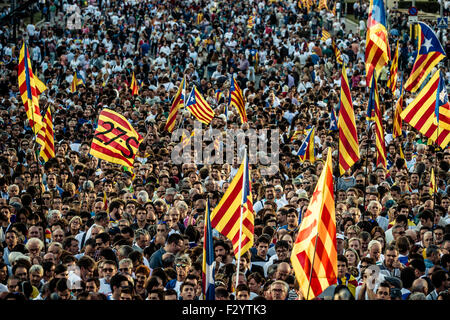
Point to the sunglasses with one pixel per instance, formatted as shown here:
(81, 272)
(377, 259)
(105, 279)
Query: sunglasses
(178, 265)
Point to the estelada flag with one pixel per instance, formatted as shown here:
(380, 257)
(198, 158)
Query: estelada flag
(314, 254)
(115, 140)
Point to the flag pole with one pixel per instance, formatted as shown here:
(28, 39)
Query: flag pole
(241, 220)
(312, 266)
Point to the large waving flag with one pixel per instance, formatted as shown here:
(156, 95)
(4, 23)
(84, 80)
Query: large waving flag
(348, 137)
(429, 53)
(377, 47)
(397, 126)
(227, 215)
(115, 140)
(314, 254)
(393, 72)
(134, 86)
(199, 107)
(28, 90)
(178, 102)
(374, 103)
(208, 284)
(46, 138)
(237, 100)
(421, 113)
(306, 151)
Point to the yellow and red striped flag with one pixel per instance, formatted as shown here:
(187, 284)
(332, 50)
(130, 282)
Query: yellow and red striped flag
(323, 4)
(429, 54)
(115, 140)
(433, 188)
(348, 137)
(237, 100)
(377, 48)
(337, 53)
(186, 140)
(397, 128)
(28, 90)
(379, 131)
(325, 35)
(178, 102)
(199, 107)
(227, 215)
(314, 254)
(402, 156)
(393, 72)
(40, 86)
(421, 113)
(134, 86)
(251, 22)
(46, 138)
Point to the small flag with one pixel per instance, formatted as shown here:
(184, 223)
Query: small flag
(333, 121)
(177, 103)
(115, 140)
(237, 100)
(393, 73)
(134, 86)
(199, 107)
(306, 151)
(46, 137)
(433, 188)
(325, 35)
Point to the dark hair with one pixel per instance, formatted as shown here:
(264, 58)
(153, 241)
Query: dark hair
(264, 238)
(116, 280)
(438, 277)
(407, 276)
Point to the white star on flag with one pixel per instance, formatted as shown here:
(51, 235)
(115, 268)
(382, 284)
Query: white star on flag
(427, 44)
(442, 95)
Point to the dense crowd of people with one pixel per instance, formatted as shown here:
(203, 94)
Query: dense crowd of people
(79, 228)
